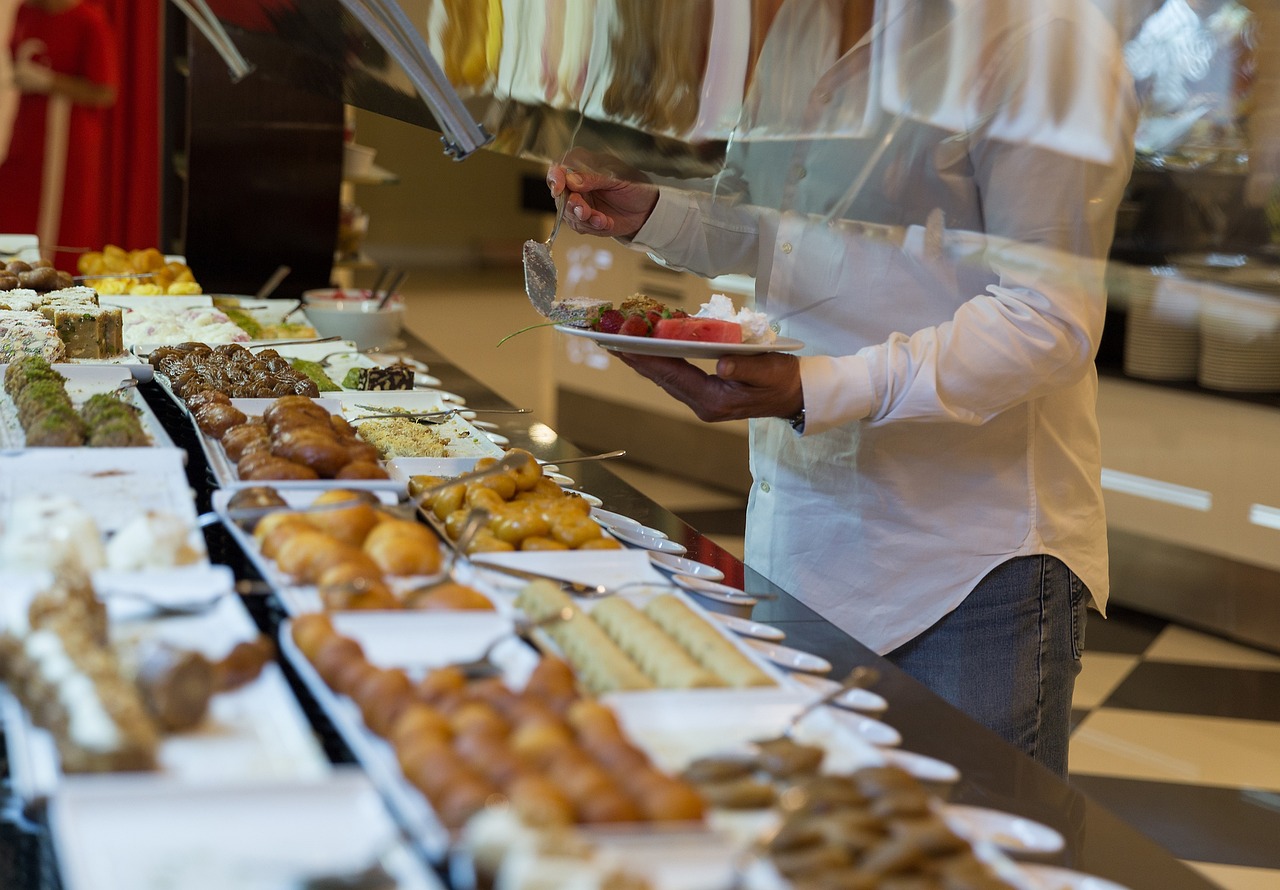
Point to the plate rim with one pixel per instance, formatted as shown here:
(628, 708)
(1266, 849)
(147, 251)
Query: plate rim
(684, 349)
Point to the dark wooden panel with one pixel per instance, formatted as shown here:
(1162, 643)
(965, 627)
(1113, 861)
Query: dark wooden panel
(264, 162)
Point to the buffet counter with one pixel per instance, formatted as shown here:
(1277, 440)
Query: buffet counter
(992, 774)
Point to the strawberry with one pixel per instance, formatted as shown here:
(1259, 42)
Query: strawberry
(653, 317)
(610, 321)
(635, 326)
(678, 313)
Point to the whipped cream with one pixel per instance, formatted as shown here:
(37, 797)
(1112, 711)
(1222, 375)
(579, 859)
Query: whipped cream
(755, 325)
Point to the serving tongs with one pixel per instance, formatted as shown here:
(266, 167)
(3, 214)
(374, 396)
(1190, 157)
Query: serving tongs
(477, 519)
(431, 417)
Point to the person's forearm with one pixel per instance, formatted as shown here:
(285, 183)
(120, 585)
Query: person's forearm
(82, 91)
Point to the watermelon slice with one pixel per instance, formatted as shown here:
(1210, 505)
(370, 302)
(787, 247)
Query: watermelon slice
(706, 330)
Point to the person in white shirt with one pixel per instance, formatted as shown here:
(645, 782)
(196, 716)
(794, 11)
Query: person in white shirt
(929, 210)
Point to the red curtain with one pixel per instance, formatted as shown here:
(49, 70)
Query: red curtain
(132, 169)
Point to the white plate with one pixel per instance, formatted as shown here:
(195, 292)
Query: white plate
(1013, 834)
(791, 659)
(586, 496)
(679, 348)
(679, 565)
(923, 767)
(863, 700)
(486, 425)
(610, 519)
(648, 542)
(712, 590)
(137, 832)
(559, 478)
(1052, 877)
(496, 438)
(748, 628)
(882, 735)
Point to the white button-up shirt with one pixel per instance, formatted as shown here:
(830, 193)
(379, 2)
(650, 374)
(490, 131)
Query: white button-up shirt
(952, 182)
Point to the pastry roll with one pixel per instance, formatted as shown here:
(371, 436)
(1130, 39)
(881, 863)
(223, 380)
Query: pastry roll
(649, 646)
(708, 647)
(600, 664)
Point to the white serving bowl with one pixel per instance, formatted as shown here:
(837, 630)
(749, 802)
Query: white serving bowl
(352, 316)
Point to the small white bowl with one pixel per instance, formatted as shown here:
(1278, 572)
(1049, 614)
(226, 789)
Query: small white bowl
(353, 317)
(357, 160)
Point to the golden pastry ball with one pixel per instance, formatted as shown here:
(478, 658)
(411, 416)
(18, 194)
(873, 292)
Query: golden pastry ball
(417, 721)
(538, 801)
(436, 684)
(403, 547)
(310, 631)
(334, 654)
(350, 525)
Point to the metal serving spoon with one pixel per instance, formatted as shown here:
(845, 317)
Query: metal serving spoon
(540, 268)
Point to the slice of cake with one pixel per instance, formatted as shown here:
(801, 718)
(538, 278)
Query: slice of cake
(579, 312)
(90, 331)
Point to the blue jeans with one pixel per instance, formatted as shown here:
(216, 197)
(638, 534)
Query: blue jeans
(1008, 656)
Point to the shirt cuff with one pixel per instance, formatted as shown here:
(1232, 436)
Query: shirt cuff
(665, 223)
(837, 390)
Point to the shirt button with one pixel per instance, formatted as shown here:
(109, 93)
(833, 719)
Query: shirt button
(764, 486)
(786, 247)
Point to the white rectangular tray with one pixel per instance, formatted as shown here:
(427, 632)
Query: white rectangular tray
(135, 832)
(224, 469)
(114, 485)
(83, 381)
(253, 734)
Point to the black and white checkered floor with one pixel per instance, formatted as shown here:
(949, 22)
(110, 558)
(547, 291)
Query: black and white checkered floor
(1178, 733)
(1175, 731)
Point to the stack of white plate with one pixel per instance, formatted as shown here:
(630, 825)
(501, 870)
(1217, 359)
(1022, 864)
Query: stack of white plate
(1240, 348)
(1162, 330)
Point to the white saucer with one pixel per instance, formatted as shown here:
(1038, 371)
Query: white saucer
(747, 628)
(720, 593)
(648, 542)
(863, 700)
(791, 659)
(923, 767)
(877, 733)
(1013, 834)
(679, 565)
(497, 438)
(609, 519)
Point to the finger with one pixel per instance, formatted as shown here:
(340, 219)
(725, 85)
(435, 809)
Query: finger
(585, 218)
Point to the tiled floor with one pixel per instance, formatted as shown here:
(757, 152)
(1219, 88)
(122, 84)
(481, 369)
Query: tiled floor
(1176, 731)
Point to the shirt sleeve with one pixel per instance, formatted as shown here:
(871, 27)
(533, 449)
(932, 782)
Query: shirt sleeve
(696, 233)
